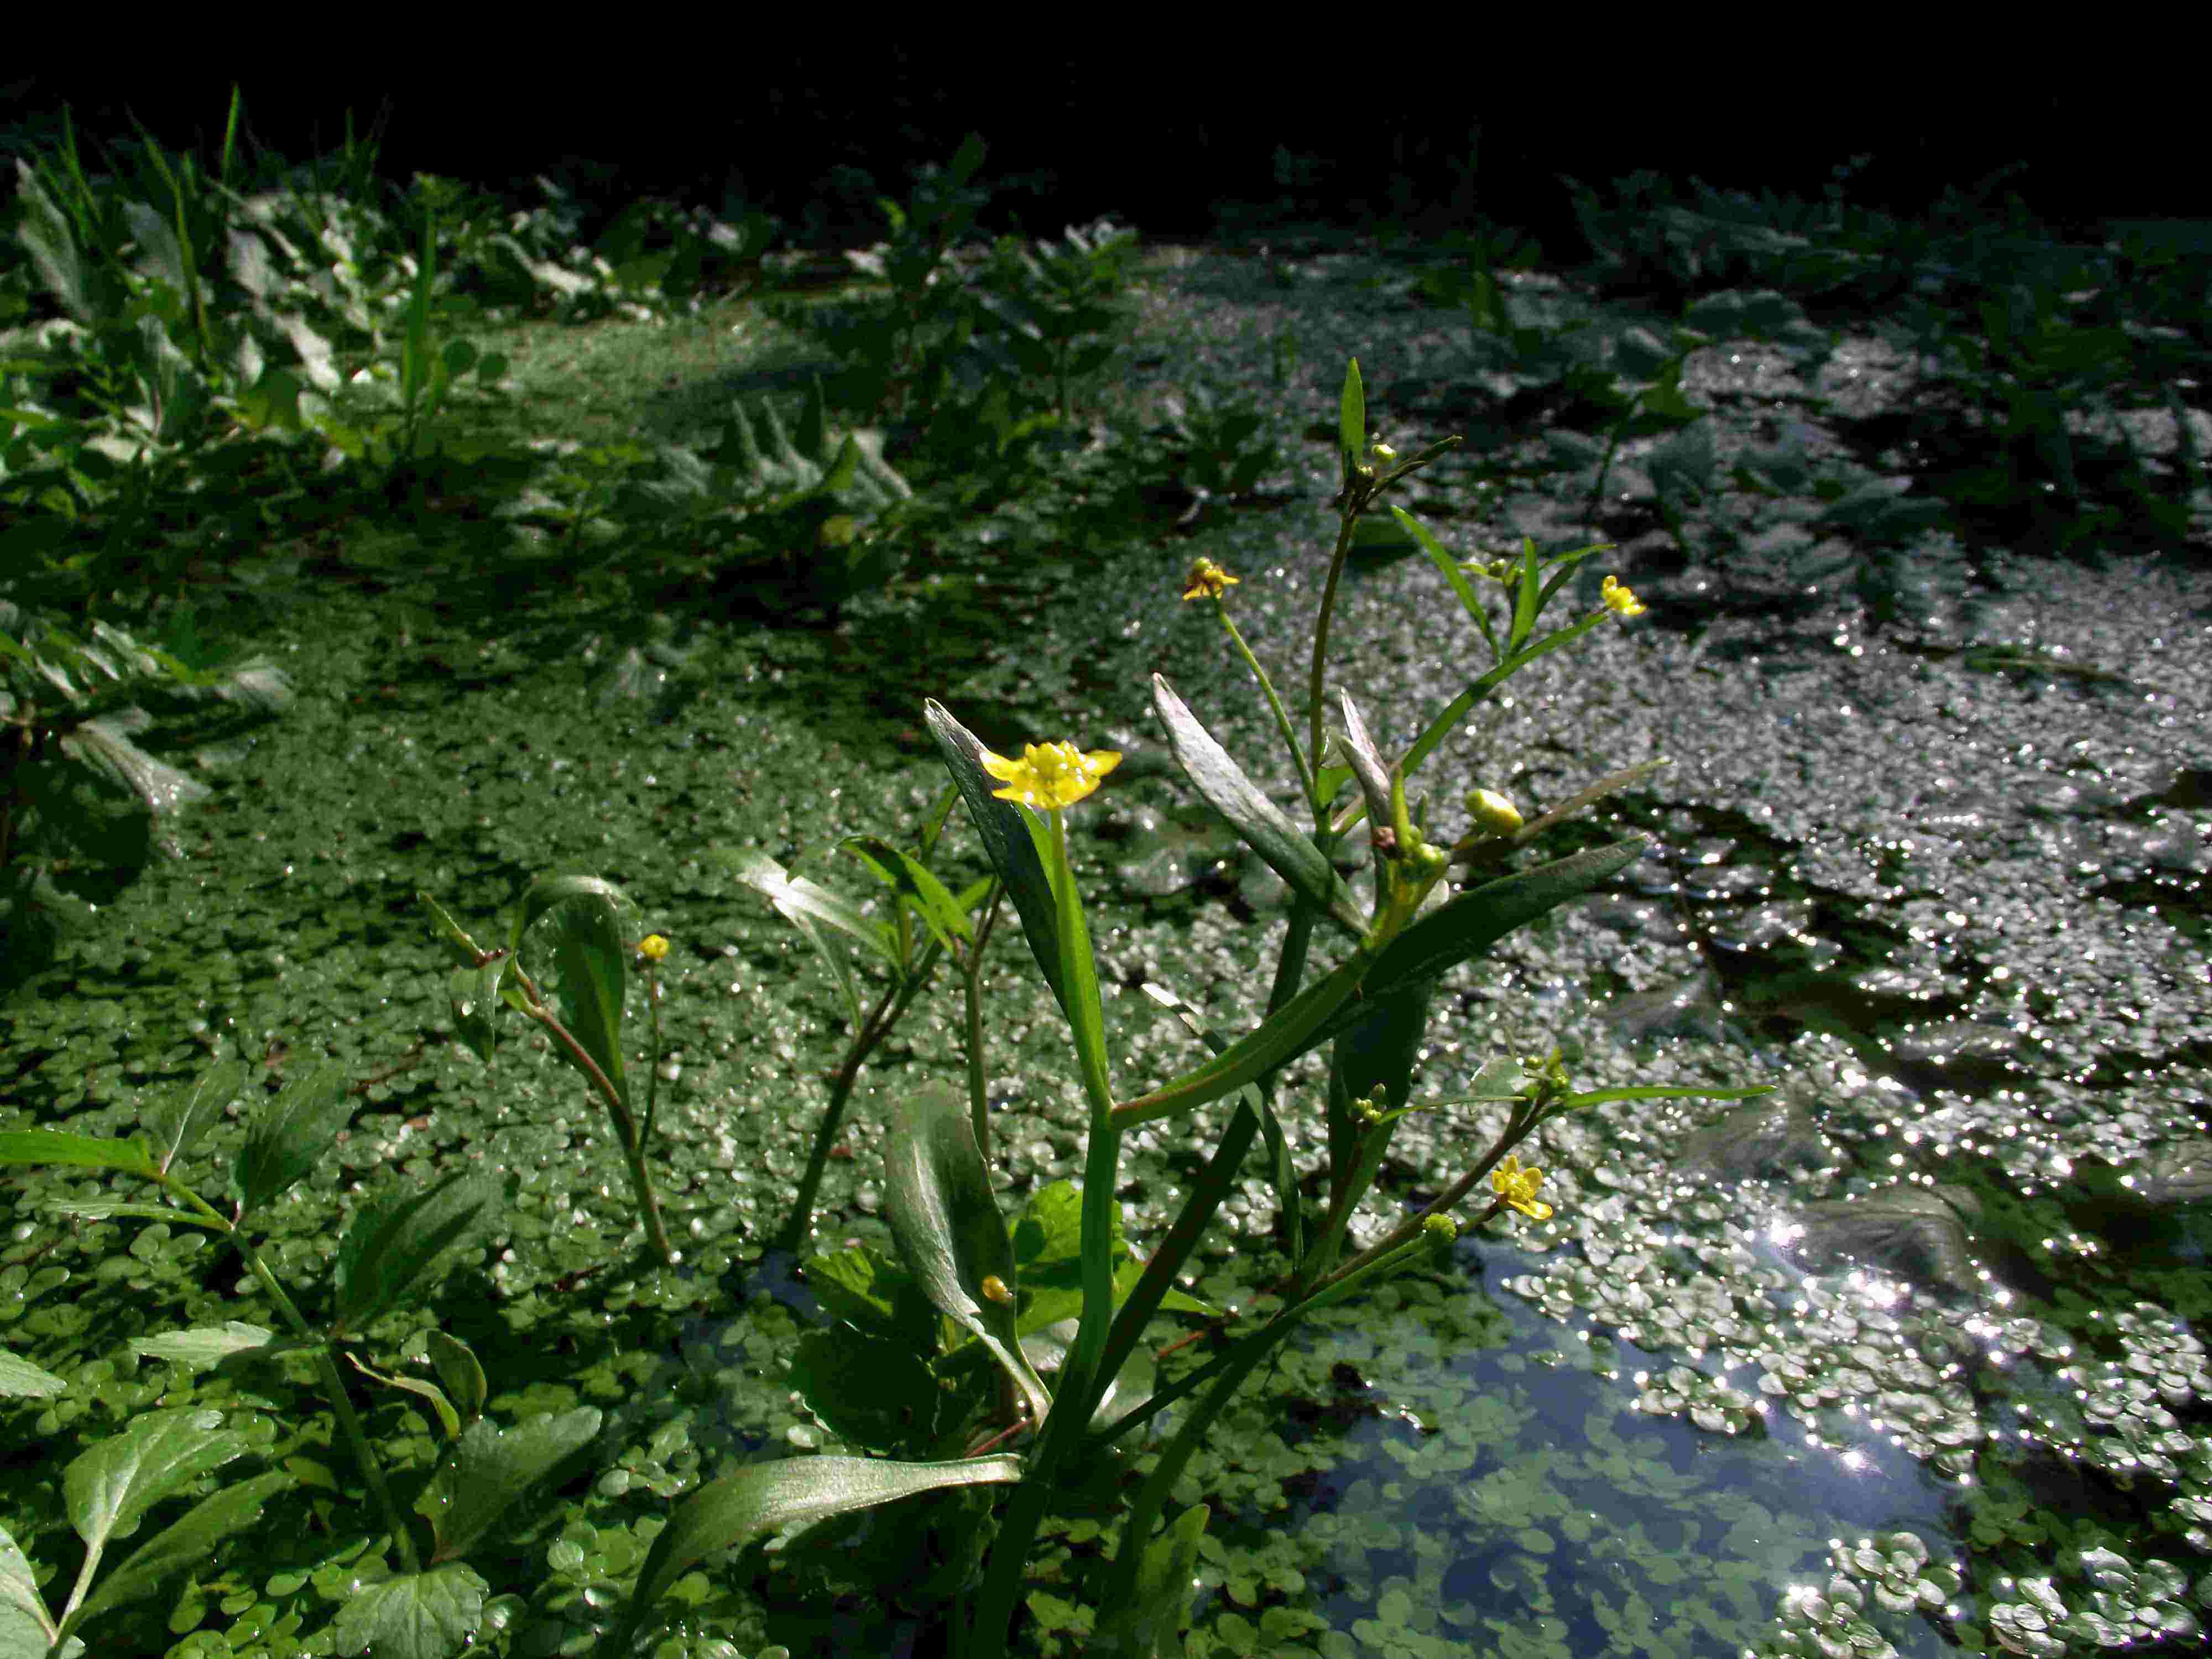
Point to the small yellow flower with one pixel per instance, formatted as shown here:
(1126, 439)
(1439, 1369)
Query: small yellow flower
(1492, 813)
(1624, 603)
(1517, 1186)
(1206, 580)
(1050, 775)
(653, 947)
(994, 1288)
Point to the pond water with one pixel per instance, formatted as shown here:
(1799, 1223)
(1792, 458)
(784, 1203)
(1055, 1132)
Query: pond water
(1947, 1282)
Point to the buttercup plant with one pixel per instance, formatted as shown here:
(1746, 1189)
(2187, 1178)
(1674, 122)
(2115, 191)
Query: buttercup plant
(1082, 1309)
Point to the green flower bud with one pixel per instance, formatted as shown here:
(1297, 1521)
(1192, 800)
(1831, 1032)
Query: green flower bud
(1492, 813)
(1441, 1228)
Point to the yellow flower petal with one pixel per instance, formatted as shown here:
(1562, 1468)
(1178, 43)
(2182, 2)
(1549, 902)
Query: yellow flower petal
(1624, 603)
(653, 947)
(1050, 775)
(1517, 1186)
(1206, 580)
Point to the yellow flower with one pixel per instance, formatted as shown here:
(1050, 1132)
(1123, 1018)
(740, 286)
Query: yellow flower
(1206, 580)
(1050, 775)
(1624, 603)
(653, 947)
(1517, 1186)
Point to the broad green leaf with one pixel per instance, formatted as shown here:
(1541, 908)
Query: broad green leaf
(937, 1197)
(391, 1242)
(542, 894)
(870, 1291)
(1287, 850)
(459, 1371)
(87, 1152)
(1007, 836)
(157, 1453)
(26, 1630)
(187, 1544)
(21, 1379)
(1149, 1625)
(210, 1344)
(592, 961)
(942, 914)
(414, 1615)
(769, 1497)
(173, 1124)
(288, 1132)
(869, 1390)
(493, 1467)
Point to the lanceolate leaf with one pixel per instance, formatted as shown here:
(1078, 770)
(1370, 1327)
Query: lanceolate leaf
(1005, 832)
(288, 1133)
(391, 1243)
(492, 1466)
(767, 1496)
(1475, 920)
(940, 911)
(157, 1453)
(592, 959)
(174, 1124)
(1288, 851)
(938, 1199)
(189, 1543)
(87, 1152)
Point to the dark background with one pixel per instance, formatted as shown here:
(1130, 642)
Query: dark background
(1161, 138)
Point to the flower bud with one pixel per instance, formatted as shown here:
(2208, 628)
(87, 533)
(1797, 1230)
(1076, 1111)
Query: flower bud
(994, 1288)
(1441, 1228)
(1492, 813)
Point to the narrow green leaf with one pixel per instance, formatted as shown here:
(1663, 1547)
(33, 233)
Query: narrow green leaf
(174, 1125)
(107, 1209)
(946, 1225)
(86, 1151)
(157, 1453)
(449, 930)
(942, 914)
(287, 1134)
(473, 994)
(1007, 836)
(796, 898)
(1352, 418)
(391, 1242)
(1599, 1097)
(1264, 827)
(414, 1615)
(769, 1497)
(1463, 589)
(188, 1544)
(806, 903)
(493, 1467)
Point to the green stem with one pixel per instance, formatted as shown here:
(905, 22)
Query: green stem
(979, 1105)
(334, 1386)
(1354, 500)
(1234, 1367)
(626, 1131)
(873, 1030)
(1282, 719)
